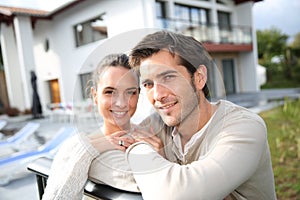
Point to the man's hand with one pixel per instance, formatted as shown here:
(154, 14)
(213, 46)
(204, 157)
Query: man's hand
(149, 137)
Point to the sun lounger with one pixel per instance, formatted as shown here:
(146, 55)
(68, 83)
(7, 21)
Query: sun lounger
(2, 124)
(20, 136)
(14, 166)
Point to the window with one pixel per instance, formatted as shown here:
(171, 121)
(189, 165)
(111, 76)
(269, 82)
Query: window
(220, 2)
(90, 31)
(160, 8)
(224, 20)
(86, 84)
(228, 75)
(193, 15)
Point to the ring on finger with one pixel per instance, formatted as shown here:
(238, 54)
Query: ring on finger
(121, 143)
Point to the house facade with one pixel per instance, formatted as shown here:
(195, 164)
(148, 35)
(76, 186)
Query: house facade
(56, 44)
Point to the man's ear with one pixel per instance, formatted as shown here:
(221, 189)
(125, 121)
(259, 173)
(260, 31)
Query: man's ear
(200, 77)
(94, 95)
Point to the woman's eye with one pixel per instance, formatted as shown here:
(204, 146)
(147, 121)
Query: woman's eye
(109, 92)
(132, 92)
(148, 85)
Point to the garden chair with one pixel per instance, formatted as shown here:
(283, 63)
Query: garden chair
(41, 168)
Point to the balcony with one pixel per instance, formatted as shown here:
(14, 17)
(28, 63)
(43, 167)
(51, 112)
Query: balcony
(214, 37)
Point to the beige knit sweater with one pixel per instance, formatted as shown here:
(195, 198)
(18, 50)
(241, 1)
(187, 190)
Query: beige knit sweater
(230, 159)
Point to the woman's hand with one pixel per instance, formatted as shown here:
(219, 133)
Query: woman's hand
(118, 140)
(149, 137)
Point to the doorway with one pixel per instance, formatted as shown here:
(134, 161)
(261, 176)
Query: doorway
(228, 76)
(54, 91)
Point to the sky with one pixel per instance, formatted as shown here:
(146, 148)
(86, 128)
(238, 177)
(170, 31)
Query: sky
(282, 14)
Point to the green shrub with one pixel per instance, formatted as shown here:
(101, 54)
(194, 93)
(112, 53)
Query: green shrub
(284, 140)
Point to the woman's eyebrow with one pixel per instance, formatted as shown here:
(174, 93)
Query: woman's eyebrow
(109, 88)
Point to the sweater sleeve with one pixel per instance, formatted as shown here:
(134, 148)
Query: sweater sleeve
(69, 170)
(230, 162)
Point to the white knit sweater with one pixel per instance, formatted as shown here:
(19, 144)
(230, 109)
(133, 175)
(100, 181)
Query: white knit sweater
(77, 161)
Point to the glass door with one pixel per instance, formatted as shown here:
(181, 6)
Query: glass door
(228, 76)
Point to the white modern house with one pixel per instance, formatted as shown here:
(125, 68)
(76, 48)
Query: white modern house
(56, 44)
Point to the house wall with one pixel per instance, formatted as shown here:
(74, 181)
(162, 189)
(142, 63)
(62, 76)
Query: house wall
(247, 60)
(64, 60)
(11, 67)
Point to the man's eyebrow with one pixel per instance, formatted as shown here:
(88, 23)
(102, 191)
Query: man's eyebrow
(161, 75)
(132, 88)
(166, 72)
(145, 81)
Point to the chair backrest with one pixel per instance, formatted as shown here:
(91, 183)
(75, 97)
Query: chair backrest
(2, 123)
(22, 134)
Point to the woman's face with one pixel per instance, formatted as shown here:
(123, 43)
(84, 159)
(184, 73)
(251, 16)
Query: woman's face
(117, 96)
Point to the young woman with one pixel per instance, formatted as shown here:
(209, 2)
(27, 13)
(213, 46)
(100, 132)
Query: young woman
(100, 156)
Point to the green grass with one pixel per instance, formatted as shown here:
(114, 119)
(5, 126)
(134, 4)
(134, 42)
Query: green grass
(284, 139)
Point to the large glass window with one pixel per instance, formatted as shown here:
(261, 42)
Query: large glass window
(225, 27)
(228, 75)
(192, 15)
(224, 20)
(86, 84)
(91, 30)
(160, 9)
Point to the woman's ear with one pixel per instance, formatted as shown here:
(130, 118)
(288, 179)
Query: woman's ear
(94, 95)
(200, 77)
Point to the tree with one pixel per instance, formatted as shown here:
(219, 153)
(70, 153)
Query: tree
(296, 42)
(271, 42)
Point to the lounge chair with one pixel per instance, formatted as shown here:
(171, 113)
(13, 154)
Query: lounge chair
(2, 123)
(14, 166)
(20, 136)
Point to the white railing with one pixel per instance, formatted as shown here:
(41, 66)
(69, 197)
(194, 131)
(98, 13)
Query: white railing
(208, 32)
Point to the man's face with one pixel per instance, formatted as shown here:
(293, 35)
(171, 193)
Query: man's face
(169, 88)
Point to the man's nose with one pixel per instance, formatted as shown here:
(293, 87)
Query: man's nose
(159, 92)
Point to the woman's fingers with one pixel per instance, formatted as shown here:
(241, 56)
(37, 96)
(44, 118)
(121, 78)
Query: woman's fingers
(119, 133)
(121, 143)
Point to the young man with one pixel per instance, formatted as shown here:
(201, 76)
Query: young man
(212, 150)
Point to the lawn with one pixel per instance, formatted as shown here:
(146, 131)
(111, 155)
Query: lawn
(284, 139)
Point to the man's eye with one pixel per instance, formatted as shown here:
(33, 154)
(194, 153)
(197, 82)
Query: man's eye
(148, 85)
(168, 77)
(132, 92)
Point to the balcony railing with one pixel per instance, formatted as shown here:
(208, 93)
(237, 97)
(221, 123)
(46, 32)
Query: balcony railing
(212, 33)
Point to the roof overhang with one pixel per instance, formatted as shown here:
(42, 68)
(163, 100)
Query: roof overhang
(243, 1)
(8, 13)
